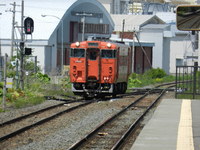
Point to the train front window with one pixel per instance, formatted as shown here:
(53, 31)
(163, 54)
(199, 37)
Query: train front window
(76, 52)
(92, 53)
(108, 53)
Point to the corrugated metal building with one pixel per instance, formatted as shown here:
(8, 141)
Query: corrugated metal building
(82, 19)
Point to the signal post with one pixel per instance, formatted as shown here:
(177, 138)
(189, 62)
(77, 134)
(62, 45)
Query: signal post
(27, 26)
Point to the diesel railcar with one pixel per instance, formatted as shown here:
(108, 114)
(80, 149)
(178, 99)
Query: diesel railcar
(99, 68)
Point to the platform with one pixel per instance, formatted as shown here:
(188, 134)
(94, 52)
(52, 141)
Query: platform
(175, 125)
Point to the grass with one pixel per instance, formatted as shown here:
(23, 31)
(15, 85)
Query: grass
(137, 80)
(187, 96)
(40, 86)
(28, 101)
(34, 92)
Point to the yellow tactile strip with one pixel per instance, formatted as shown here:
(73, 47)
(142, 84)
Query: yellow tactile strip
(185, 135)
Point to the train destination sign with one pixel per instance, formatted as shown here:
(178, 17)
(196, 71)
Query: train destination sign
(188, 17)
(93, 44)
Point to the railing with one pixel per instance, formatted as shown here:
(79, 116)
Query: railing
(188, 81)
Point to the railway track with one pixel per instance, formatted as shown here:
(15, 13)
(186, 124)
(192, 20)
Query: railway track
(40, 130)
(112, 133)
(21, 124)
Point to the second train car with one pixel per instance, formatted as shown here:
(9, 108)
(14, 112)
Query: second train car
(99, 68)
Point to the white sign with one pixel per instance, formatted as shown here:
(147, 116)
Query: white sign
(9, 82)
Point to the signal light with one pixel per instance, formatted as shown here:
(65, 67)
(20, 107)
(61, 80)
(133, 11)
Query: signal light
(28, 25)
(28, 51)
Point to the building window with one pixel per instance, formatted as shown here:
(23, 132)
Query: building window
(94, 28)
(179, 62)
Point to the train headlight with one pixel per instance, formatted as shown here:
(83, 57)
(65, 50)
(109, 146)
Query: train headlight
(109, 45)
(77, 44)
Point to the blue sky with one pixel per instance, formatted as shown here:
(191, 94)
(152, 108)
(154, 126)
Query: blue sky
(44, 26)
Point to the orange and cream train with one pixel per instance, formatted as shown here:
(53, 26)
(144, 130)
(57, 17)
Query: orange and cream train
(99, 68)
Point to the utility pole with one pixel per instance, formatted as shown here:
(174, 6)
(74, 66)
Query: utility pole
(4, 86)
(122, 35)
(13, 29)
(22, 48)
(0, 47)
(0, 41)
(13, 26)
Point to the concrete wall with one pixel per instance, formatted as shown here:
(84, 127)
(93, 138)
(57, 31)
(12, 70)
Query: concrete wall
(166, 54)
(180, 47)
(37, 49)
(154, 36)
(171, 48)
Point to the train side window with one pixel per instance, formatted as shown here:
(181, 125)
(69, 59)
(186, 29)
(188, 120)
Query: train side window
(76, 52)
(108, 54)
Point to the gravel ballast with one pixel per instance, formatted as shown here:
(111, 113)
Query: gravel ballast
(64, 131)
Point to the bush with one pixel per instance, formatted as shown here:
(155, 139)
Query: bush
(155, 73)
(150, 77)
(42, 77)
(1, 85)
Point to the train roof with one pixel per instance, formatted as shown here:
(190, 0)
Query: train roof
(116, 43)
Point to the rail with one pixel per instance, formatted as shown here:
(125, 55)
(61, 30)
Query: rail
(108, 126)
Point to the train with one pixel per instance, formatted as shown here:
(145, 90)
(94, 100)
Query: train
(99, 68)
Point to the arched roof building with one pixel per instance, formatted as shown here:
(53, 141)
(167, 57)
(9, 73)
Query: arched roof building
(82, 19)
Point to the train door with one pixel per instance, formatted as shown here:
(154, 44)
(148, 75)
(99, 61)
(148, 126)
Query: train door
(93, 66)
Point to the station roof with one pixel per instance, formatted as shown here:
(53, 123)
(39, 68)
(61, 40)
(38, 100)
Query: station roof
(134, 21)
(156, 26)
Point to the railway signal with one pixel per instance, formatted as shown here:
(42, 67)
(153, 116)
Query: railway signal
(28, 51)
(28, 25)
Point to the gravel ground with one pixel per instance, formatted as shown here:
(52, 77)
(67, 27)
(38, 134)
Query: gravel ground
(62, 132)
(14, 113)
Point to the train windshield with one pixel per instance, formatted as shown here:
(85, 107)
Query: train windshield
(108, 53)
(77, 52)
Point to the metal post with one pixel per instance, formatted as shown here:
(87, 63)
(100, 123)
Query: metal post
(1, 64)
(62, 50)
(35, 69)
(176, 81)
(17, 73)
(123, 30)
(22, 49)
(4, 86)
(194, 81)
(133, 50)
(0, 40)
(83, 32)
(13, 28)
